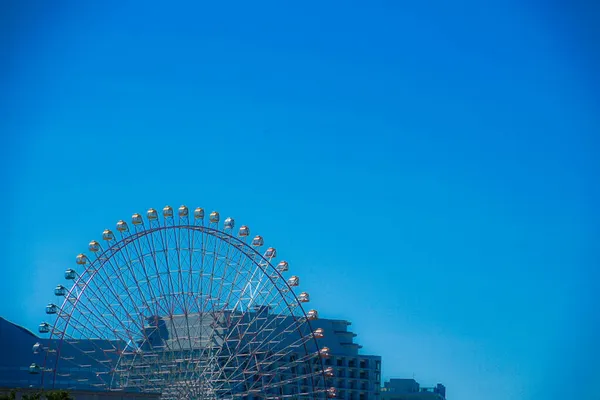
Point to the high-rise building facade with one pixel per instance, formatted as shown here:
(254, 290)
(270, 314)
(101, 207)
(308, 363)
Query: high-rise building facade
(357, 376)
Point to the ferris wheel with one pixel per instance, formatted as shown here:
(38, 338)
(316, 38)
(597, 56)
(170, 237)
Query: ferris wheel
(184, 307)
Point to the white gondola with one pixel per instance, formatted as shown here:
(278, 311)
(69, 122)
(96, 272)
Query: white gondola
(137, 219)
(70, 274)
(108, 235)
(44, 327)
(152, 214)
(168, 212)
(51, 308)
(94, 246)
(60, 290)
(271, 252)
(303, 297)
(122, 226)
(214, 217)
(199, 213)
(257, 241)
(244, 231)
(229, 223)
(183, 211)
(293, 281)
(81, 259)
(283, 266)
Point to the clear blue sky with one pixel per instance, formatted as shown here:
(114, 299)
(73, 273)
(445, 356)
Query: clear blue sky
(429, 170)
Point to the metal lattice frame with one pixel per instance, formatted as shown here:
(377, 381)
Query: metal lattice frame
(186, 309)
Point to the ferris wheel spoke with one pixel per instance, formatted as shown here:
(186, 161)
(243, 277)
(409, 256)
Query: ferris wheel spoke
(151, 246)
(71, 340)
(189, 372)
(124, 300)
(202, 297)
(213, 261)
(79, 332)
(231, 294)
(264, 345)
(181, 247)
(84, 327)
(100, 292)
(152, 302)
(211, 298)
(223, 266)
(147, 378)
(282, 333)
(147, 259)
(174, 266)
(53, 356)
(227, 261)
(177, 305)
(206, 350)
(185, 258)
(134, 297)
(287, 361)
(202, 264)
(192, 237)
(146, 341)
(163, 260)
(141, 329)
(253, 320)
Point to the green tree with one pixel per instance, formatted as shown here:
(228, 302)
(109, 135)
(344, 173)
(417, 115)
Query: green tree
(58, 395)
(32, 396)
(11, 396)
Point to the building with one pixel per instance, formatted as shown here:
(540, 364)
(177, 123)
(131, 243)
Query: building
(16, 344)
(356, 376)
(409, 389)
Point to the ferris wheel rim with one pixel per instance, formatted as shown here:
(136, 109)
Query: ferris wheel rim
(94, 267)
